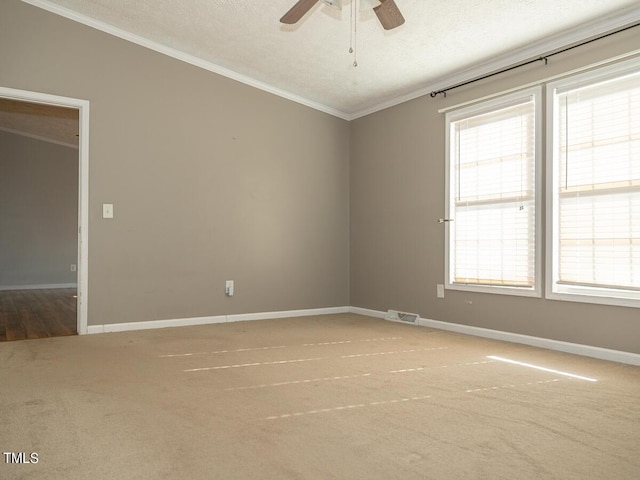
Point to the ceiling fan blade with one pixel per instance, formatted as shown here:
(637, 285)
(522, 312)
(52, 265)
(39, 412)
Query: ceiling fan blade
(298, 11)
(389, 14)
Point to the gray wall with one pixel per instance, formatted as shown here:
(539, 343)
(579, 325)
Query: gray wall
(38, 211)
(398, 193)
(210, 179)
(214, 180)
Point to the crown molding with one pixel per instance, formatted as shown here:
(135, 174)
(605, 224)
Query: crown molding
(603, 25)
(184, 57)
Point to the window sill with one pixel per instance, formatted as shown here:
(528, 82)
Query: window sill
(597, 296)
(519, 292)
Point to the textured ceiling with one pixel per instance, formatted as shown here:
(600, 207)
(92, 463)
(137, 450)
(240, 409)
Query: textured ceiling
(309, 62)
(44, 122)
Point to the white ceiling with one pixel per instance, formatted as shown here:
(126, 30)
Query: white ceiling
(441, 42)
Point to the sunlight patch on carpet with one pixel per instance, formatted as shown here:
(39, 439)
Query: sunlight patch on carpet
(544, 369)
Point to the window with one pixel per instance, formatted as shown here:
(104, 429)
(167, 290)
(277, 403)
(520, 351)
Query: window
(593, 221)
(492, 199)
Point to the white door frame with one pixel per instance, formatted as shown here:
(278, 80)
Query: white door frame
(83, 188)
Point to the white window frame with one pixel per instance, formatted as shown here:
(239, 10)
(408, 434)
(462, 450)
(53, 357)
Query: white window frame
(478, 108)
(575, 293)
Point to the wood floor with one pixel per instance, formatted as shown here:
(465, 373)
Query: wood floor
(27, 314)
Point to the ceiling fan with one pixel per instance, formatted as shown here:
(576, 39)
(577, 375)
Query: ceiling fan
(387, 12)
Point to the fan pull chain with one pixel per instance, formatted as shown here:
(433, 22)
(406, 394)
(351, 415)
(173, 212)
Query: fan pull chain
(351, 4)
(356, 9)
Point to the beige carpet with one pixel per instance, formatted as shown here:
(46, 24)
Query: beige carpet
(328, 397)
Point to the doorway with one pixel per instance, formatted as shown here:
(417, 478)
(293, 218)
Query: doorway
(44, 219)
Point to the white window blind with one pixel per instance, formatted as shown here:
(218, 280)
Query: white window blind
(492, 195)
(596, 156)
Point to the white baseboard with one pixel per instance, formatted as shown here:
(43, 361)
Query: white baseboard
(366, 312)
(149, 325)
(186, 322)
(44, 286)
(286, 314)
(575, 348)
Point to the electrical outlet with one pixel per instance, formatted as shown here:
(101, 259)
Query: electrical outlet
(229, 289)
(73, 267)
(440, 290)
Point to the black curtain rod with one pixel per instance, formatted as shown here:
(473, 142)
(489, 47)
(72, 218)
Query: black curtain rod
(542, 58)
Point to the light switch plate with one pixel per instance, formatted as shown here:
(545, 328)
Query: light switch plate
(107, 210)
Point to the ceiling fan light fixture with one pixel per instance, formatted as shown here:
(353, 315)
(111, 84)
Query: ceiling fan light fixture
(333, 3)
(386, 10)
